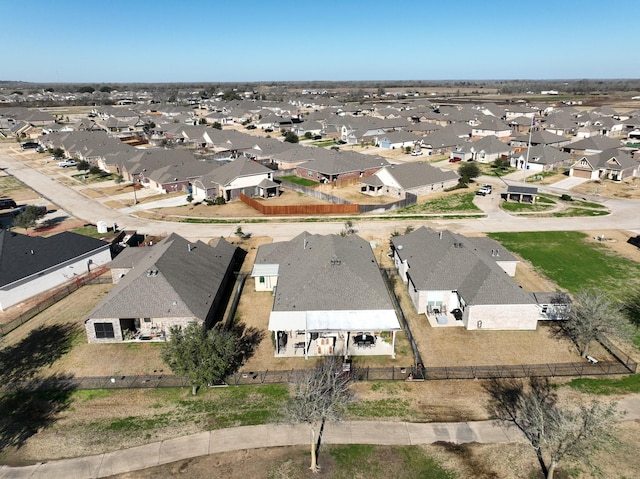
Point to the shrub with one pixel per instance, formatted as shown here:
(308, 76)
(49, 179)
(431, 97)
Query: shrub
(566, 197)
(189, 199)
(220, 200)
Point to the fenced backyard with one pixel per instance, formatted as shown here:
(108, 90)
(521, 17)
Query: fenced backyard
(45, 301)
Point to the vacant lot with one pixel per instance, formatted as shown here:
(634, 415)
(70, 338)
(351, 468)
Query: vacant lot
(575, 260)
(628, 188)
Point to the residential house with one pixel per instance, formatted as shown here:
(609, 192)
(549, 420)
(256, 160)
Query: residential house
(460, 281)
(331, 166)
(491, 126)
(329, 297)
(231, 179)
(611, 164)
(418, 178)
(398, 139)
(540, 158)
(32, 265)
(485, 150)
(171, 283)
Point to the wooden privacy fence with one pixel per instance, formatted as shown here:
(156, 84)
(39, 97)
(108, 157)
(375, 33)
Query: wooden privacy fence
(275, 210)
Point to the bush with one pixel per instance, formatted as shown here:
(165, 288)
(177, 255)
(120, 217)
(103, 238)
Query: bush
(94, 170)
(189, 199)
(220, 200)
(566, 197)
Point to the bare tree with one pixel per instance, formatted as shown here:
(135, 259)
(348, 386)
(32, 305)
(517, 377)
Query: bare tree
(319, 395)
(556, 433)
(592, 314)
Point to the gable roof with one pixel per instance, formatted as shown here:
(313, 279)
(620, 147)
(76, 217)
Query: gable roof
(174, 278)
(22, 256)
(414, 175)
(325, 273)
(448, 261)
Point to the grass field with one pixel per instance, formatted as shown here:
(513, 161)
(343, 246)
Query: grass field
(457, 202)
(571, 262)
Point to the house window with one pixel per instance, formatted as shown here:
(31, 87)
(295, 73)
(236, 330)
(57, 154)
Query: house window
(147, 320)
(104, 330)
(310, 173)
(262, 279)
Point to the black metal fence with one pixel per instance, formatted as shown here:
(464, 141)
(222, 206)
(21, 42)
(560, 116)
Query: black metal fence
(50, 300)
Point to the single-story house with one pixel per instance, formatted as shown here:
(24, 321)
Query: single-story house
(32, 265)
(611, 164)
(171, 283)
(418, 178)
(238, 176)
(540, 158)
(329, 297)
(460, 281)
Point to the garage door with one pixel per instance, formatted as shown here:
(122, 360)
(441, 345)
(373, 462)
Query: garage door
(581, 173)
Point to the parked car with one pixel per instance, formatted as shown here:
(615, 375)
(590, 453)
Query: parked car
(416, 153)
(67, 163)
(454, 160)
(484, 191)
(251, 127)
(489, 188)
(29, 145)
(7, 203)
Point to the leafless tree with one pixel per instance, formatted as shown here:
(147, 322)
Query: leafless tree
(317, 396)
(594, 313)
(556, 433)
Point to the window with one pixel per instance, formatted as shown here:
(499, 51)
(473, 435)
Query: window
(104, 330)
(262, 279)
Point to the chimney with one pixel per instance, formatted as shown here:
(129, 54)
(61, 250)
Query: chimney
(189, 247)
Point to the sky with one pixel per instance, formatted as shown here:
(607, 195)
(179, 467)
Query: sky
(139, 41)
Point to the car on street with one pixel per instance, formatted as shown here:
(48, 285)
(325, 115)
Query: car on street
(484, 190)
(67, 163)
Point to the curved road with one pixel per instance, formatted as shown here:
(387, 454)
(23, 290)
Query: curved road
(625, 215)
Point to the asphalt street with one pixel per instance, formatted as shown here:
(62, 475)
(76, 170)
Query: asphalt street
(625, 215)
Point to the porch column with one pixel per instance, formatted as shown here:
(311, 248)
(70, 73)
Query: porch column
(306, 343)
(393, 344)
(275, 336)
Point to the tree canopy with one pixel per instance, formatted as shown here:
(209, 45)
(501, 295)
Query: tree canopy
(206, 357)
(592, 314)
(29, 217)
(468, 171)
(319, 395)
(557, 433)
(291, 137)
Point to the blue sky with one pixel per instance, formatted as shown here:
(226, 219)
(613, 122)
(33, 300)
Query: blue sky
(125, 41)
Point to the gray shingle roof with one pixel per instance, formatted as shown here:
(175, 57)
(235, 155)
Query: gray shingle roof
(321, 273)
(21, 255)
(174, 278)
(444, 260)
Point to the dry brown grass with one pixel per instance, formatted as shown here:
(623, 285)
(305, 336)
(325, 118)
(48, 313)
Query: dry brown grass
(628, 188)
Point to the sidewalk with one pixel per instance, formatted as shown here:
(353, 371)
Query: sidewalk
(277, 435)
(252, 437)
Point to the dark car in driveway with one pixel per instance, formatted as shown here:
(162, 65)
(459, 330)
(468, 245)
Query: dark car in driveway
(29, 145)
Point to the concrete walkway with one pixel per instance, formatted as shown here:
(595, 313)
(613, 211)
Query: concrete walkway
(253, 437)
(278, 435)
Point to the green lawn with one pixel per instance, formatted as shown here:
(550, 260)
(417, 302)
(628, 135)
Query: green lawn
(607, 386)
(458, 202)
(373, 462)
(298, 181)
(572, 263)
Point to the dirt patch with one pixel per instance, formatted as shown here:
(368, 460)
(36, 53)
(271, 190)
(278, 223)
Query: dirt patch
(628, 188)
(616, 240)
